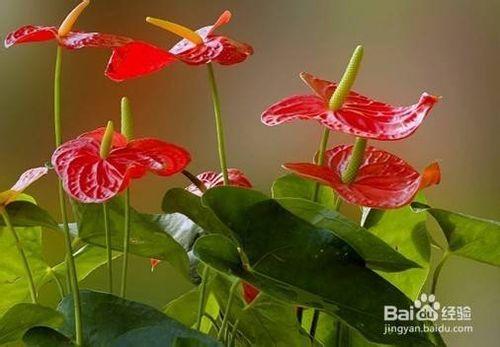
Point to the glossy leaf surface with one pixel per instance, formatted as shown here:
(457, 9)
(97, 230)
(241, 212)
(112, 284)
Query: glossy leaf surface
(148, 238)
(297, 262)
(21, 317)
(406, 232)
(468, 236)
(293, 186)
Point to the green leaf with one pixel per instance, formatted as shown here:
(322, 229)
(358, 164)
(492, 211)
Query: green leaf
(406, 232)
(291, 259)
(112, 321)
(293, 186)
(265, 322)
(376, 253)
(185, 308)
(468, 236)
(147, 239)
(87, 260)
(13, 281)
(46, 337)
(28, 214)
(21, 317)
(181, 201)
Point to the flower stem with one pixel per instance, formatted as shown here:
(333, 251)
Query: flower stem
(321, 159)
(70, 265)
(57, 97)
(199, 184)
(201, 302)
(221, 147)
(109, 252)
(230, 300)
(70, 262)
(24, 259)
(437, 272)
(126, 240)
(314, 324)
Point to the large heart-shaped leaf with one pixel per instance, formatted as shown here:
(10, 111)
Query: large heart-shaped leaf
(468, 236)
(376, 253)
(147, 238)
(293, 186)
(112, 321)
(291, 259)
(46, 337)
(21, 317)
(406, 232)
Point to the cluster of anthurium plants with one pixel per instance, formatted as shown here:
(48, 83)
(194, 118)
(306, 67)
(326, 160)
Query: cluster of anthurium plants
(284, 268)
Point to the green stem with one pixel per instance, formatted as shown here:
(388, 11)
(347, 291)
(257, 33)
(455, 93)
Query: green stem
(59, 284)
(70, 264)
(221, 147)
(357, 154)
(24, 259)
(201, 302)
(234, 331)
(109, 252)
(437, 272)
(230, 300)
(57, 97)
(321, 159)
(126, 241)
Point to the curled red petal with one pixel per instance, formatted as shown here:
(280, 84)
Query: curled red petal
(137, 59)
(431, 176)
(78, 39)
(28, 178)
(161, 158)
(363, 117)
(295, 107)
(30, 33)
(233, 52)
(249, 292)
(383, 180)
(215, 179)
(85, 175)
(324, 89)
(118, 139)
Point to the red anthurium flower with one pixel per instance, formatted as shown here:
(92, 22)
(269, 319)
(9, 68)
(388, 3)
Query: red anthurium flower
(383, 180)
(359, 115)
(89, 178)
(214, 179)
(197, 48)
(249, 292)
(65, 37)
(24, 181)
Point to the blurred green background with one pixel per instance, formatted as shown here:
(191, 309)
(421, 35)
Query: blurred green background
(448, 47)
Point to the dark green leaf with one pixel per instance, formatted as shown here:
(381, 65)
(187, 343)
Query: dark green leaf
(468, 236)
(46, 337)
(112, 321)
(28, 214)
(181, 201)
(21, 317)
(293, 186)
(376, 253)
(147, 239)
(293, 260)
(406, 232)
